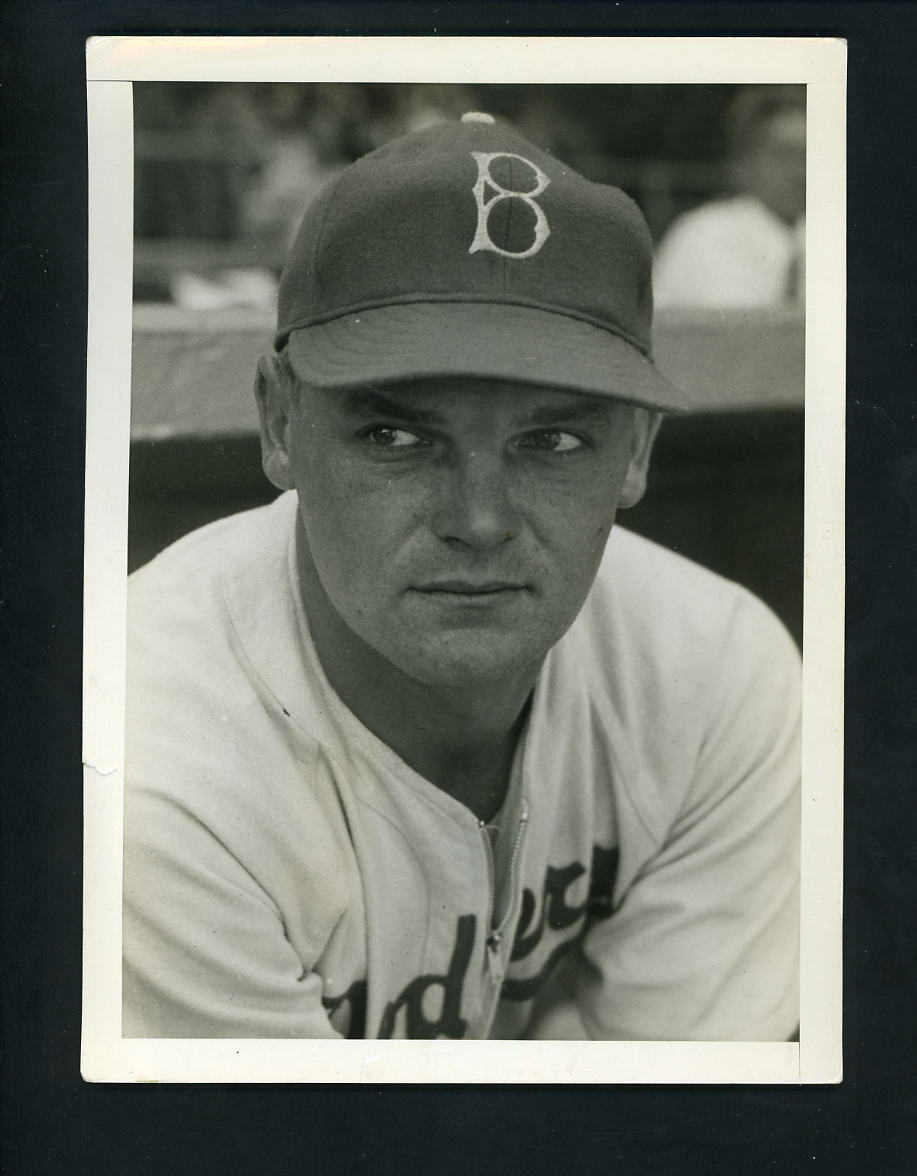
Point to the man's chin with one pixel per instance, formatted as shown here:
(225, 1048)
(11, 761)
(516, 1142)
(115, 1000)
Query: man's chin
(467, 661)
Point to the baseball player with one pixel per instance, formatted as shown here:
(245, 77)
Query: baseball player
(429, 747)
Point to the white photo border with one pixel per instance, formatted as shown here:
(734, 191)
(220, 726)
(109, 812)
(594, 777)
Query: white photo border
(113, 64)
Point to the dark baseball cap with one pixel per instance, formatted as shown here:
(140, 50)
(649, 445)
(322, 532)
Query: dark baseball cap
(464, 250)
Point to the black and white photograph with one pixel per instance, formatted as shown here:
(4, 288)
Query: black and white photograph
(480, 571)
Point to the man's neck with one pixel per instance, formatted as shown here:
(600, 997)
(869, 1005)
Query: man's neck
(462, 740)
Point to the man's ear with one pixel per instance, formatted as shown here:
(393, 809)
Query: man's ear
(274, 396)
(645, 427)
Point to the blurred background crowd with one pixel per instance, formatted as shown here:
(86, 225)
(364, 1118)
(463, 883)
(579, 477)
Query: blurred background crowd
(223, 172)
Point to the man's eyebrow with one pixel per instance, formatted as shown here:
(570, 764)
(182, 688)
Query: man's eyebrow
(580, 410)
(369, 405)
(374, 404)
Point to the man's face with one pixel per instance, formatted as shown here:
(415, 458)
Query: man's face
(776, 167)
(456, 527)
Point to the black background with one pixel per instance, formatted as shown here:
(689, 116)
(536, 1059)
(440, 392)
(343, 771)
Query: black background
(53, 1122)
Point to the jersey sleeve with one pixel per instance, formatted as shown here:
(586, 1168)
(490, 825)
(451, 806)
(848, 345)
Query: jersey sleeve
(704, 943)
(205, 951)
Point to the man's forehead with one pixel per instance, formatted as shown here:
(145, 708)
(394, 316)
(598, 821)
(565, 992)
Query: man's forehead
(438, 400)
(788, 128)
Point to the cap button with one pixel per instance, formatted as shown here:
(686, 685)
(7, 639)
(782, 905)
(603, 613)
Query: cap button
(477, 116)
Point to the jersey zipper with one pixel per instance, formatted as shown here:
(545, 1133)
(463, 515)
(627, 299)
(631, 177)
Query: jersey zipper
(491, 878)
(494, 935)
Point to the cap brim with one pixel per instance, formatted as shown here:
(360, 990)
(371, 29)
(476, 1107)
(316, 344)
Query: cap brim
(496, 341)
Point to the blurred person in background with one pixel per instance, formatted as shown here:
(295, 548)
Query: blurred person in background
(746, 250)
(296, 139)
(299, 138)
(300, 150)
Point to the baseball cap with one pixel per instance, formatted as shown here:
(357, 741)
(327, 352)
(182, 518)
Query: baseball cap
(464, 250)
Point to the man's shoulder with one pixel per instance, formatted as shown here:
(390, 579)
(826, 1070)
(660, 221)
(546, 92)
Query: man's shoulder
(739, 211)
(738, 223)
(673, 612)
(194, 646)
(634, 564)
(198, 560)
(672, 659)
(207, 732)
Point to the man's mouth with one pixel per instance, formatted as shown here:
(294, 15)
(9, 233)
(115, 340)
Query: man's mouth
(470, 590)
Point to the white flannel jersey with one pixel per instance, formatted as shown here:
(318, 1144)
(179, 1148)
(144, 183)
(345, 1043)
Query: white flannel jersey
(288, 875)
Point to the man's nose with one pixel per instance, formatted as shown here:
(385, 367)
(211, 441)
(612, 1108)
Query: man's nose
(476, 505)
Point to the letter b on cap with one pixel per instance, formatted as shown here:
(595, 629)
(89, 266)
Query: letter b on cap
(482, 239)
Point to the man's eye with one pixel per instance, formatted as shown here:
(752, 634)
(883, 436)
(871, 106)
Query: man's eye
(553, 441)
(388, 437)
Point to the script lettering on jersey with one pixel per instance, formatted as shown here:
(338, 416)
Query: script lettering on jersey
(417, 1024)
(355, 1000)
(485, 181)
(448, 1022)
(557, 914)
(411, 1009)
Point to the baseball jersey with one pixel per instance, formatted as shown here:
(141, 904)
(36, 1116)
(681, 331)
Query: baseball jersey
(287, 875)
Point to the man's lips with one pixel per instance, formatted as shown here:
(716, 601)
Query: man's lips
(469, 587)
